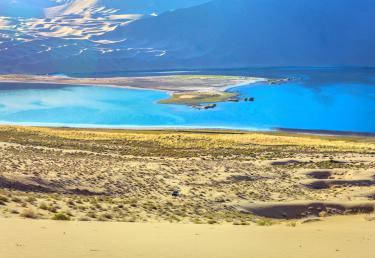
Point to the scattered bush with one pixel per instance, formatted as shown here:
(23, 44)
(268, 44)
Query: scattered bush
(241, 223)
(29, 214)
(13, 211)
(60, 216)
(16, 199)
(30, 199)
(292, 224)
(43, 206)
(212, 221)
(3, 199)
(197, 221)
(264, 222)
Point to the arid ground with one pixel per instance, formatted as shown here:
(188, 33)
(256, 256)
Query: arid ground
(222, 179)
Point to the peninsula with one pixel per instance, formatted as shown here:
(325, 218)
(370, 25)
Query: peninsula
(183, 89)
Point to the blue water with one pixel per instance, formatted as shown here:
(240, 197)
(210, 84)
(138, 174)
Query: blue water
(315, 101)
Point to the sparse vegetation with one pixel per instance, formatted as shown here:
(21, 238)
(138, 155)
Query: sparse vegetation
(292, 224)
(264, 222)
(176, 176)
(3, 199)
(29, 214)
(190, 98)
(60, 216)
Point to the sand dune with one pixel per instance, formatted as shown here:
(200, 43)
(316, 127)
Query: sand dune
(298, 210)
(213, 177)
(333, 238)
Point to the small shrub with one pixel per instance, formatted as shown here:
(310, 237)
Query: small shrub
(132, 220)
(3, 199)
(16, 199)
(60, 216)
(43, 206)
(29, 214)
(84, 219)
(107, 216)
(52, 209)
(264, 222)
(91, 215)
(212, 221)
(197, 221)
(13, 211)
(241, 223)
(323, 214)
(30, 199)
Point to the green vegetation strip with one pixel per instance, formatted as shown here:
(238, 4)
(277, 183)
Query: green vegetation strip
(199, 97)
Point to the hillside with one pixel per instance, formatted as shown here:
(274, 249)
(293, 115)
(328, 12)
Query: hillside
(100, 35)
(89, 7)
(261, 33)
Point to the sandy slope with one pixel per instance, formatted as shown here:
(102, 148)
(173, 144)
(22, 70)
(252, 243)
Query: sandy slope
(119, 175)
(335, 237)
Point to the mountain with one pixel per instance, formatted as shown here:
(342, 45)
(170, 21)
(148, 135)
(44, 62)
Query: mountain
(53, 8)
(239, 33)
(24, 8)
(87, 7)
(217, 34)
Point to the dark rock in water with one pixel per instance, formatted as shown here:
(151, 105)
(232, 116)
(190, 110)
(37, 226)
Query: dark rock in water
(278, 81)
(233, 100)
(204, 107)
(251, 99)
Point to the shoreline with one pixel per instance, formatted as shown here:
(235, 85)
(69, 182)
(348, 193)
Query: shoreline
(188, 90)
(223, 129)
(180, 83)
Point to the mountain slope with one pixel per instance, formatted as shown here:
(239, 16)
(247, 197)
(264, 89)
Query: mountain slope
(262, 33)
(24, 8)
(217, 34)
(53, 8)
(120, 7)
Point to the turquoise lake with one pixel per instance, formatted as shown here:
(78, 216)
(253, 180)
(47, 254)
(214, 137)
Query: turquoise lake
(315, 100)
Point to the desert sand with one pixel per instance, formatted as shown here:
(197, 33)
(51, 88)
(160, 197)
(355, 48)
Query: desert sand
(68, 192)
(334, 237)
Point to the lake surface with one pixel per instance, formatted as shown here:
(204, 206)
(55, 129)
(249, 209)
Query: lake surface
(318, 99)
